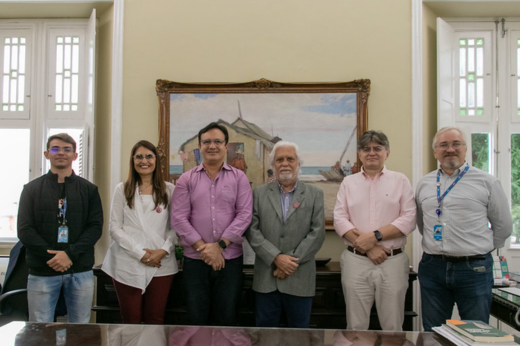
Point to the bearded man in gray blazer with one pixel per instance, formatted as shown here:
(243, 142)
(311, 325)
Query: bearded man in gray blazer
(287, 230)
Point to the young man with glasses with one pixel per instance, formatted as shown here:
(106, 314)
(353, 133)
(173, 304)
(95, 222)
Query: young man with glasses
(60, 218)
(463, 215)
(374, 213)
(210, 210)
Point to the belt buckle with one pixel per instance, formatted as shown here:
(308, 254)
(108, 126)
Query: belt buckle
(354, 250)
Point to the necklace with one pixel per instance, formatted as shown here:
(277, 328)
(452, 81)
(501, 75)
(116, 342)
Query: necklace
(141, 189)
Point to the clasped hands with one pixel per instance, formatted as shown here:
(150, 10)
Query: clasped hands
(152, 258)
(285, 266)
(211, 254)
(366, 243)
(60, 262)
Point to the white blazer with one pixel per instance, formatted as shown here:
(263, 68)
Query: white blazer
(131, 231)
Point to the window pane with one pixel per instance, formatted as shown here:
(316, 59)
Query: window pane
(13, 74)
(480, 61)
(19, 139)
(471, 59)
(59, 58)
(515, 187)
(471, 94)
(7, 58)
(462, 65)
(480, 92)
(462, 91)
(480, 151)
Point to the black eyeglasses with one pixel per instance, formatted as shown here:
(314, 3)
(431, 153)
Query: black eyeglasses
(140, 157)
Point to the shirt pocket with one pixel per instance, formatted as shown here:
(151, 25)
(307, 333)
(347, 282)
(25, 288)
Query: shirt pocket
(229, 194)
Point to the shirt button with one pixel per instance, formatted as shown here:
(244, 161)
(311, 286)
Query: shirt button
(213, 219)
(212, 207)
(212, 196)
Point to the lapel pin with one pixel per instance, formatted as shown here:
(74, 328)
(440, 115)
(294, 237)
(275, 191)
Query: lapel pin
(158, 209)
(295, 205)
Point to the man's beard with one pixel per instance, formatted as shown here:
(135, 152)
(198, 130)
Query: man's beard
(451, 163)
(286, 177)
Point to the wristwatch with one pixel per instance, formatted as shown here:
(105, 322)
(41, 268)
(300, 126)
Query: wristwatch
(378, 235)
(222, 244)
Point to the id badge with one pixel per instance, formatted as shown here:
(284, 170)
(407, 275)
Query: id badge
(437, 232)
(63, 234)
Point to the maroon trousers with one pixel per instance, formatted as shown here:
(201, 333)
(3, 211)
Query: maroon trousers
(148, 308)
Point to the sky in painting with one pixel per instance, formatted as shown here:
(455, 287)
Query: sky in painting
(319, 123)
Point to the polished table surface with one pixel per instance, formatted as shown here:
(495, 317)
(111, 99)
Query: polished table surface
(26, 334)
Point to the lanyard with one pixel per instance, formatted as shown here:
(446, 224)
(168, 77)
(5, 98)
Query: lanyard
(439, 197)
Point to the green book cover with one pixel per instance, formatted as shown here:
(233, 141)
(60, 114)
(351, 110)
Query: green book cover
(479, 331)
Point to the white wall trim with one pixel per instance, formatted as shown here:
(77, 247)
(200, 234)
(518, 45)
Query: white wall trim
(117, 95)
(417, 136)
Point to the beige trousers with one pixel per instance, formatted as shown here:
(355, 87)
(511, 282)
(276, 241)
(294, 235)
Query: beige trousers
(386, 283)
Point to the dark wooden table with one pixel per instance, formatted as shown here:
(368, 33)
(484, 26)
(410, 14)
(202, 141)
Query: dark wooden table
(328, 310)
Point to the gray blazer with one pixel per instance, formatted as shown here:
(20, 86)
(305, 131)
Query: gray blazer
(301, 236)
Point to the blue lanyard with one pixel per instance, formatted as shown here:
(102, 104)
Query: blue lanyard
(439, 197)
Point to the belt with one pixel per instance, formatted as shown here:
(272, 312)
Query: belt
(393, 252)
(457, 259)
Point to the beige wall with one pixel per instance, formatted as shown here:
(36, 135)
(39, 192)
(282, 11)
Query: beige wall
(103, 122)
(289, 41)
(429, 87)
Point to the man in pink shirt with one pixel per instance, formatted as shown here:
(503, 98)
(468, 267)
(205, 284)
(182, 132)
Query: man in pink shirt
(210, 210)
(375, 211)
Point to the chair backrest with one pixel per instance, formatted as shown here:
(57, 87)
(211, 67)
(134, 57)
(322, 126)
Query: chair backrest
(16, 276)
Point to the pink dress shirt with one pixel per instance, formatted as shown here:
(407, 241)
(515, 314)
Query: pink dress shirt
(207, 209)
(368, 204)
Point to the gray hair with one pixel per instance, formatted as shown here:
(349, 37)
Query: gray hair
(444, 129)
(373, 136)
(284, 144)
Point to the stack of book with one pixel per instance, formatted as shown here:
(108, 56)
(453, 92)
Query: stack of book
(474, 333)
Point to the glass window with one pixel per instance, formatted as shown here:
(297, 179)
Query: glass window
(515, 188)
(471, 77)
(480, 151)
(14, 176)
(13, 74)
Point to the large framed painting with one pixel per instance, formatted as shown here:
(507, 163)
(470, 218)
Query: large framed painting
(324, 119)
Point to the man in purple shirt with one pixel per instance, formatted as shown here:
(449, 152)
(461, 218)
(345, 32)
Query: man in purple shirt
(210, 210)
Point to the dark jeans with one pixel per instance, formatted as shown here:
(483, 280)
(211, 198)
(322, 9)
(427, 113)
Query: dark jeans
(212, 296)
(269, 309)
(443, 283)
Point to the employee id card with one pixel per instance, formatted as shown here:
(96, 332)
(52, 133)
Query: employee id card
(63, 234)
(437, 232)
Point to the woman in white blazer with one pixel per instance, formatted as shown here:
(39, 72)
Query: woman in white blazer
(141, 257)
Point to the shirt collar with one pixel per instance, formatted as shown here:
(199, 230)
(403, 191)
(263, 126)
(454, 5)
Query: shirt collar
(225, 166)
(458, 170)
(383, 171)
(292, 190)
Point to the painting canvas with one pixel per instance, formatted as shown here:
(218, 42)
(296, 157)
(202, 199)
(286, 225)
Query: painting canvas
(324, 124)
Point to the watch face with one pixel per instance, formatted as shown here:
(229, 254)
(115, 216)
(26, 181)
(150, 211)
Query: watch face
(378, 235)
(222, 244)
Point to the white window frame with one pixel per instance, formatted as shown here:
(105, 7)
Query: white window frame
(501, 121)
(40, 84)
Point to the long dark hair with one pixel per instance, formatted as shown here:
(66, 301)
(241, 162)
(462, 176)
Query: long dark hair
(159, 187)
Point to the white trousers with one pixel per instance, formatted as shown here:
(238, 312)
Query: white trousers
(386, 283)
